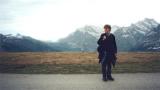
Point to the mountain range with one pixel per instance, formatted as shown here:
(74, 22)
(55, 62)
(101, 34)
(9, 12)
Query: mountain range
(143, 35)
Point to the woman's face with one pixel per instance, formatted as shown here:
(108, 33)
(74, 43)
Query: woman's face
(106, 30)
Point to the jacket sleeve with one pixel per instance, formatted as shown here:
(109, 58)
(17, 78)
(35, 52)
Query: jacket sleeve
(115, 45)
(100, 40)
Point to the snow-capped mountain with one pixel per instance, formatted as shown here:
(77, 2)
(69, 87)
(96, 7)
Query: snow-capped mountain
(92, 30)
(20, 43)
(84, 39)
(141, 36)
(128, 38)
(151, 41)
(114, 28)
(145, 26)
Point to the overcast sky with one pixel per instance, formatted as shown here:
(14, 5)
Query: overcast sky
(55, 19)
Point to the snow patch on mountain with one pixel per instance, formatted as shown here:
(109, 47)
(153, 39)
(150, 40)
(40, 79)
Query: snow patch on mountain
(92, 30)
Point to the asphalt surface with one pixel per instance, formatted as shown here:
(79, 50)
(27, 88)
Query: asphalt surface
(138, 81)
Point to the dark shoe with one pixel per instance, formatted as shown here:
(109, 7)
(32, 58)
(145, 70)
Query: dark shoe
(104, 79)
(110, 78)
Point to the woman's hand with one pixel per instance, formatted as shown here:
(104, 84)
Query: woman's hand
(104, 37)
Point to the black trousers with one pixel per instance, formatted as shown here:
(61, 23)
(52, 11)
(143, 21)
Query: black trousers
(106, 70)
(106, 66)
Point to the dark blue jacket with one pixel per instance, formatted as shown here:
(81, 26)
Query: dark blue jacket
(108, 45)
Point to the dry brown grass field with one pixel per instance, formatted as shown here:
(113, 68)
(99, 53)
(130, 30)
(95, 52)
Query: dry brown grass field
(72, 57)
(76, 62)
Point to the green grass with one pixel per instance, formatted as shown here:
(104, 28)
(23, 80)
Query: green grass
(127, 67)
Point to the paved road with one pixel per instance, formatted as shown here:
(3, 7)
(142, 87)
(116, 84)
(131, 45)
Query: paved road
(139, 81)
